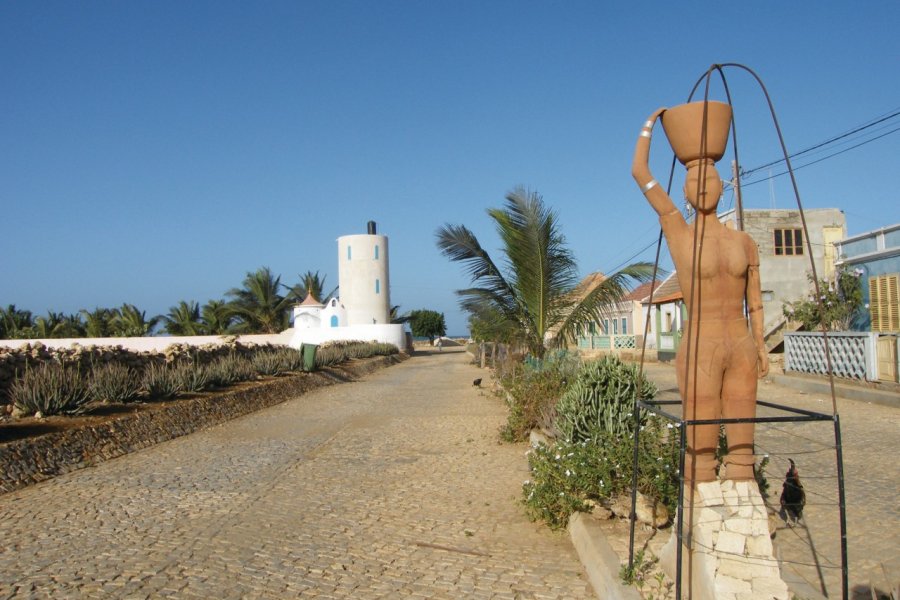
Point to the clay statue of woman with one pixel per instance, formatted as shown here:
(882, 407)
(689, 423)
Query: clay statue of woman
(721, 356)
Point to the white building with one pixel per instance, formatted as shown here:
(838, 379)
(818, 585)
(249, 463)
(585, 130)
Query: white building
(363, 310)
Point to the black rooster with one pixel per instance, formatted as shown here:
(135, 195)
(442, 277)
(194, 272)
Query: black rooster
(793, 498)
(477, 382)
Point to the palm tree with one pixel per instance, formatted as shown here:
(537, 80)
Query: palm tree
(216, 317)
(132, 322)
(258, 305)
(99, 322)
(396, 317)
(487, 324)
(183, 319)
(535, 292)
(15, 323)
(312, 283)
(58, 325)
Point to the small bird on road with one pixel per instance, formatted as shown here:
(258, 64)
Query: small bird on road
(793, 498)
(477, 382)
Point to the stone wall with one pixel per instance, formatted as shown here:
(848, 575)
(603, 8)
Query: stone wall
(28, 461)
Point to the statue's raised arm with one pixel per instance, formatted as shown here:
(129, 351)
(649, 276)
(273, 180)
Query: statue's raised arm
(640, 169)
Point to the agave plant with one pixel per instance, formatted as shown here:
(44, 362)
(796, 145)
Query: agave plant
(160, 381)
(50, 389)
(113, 382)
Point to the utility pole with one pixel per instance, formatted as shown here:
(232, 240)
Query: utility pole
(738, 204)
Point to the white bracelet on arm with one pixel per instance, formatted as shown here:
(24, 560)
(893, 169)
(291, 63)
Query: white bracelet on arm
(649, 186)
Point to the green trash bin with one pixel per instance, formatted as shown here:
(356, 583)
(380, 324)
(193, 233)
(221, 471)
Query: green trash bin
(308, 352)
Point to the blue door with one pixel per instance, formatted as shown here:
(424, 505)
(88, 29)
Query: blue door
(334, 321)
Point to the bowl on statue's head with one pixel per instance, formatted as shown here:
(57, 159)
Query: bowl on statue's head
(683, 125)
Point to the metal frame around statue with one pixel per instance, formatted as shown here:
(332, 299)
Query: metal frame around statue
(795, 415)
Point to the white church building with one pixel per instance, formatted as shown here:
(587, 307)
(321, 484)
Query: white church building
(362, 312)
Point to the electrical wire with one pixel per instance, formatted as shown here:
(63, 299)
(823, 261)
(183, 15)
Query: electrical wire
(797, 168)
(831, 140)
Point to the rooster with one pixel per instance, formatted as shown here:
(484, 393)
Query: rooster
(793, 498)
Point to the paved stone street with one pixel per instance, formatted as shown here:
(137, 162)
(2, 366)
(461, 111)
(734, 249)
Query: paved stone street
(390, 487)
(871, 435)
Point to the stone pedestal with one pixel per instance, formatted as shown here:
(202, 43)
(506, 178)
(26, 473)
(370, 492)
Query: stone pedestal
(728, 551)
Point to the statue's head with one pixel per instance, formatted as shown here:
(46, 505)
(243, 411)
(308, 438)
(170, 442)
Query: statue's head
(703, 194)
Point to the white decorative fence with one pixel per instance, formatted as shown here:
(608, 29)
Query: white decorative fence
(608, 342)
(853, 355)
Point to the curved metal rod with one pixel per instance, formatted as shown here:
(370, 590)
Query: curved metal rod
(828, 362)
(824, 326)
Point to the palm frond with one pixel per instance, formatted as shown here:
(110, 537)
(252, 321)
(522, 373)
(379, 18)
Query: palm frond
(600, 302)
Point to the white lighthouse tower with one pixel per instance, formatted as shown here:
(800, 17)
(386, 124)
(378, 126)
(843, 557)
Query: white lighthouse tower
(363, 277)
(363, 311)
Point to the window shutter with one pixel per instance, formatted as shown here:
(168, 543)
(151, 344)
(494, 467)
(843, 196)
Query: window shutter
(884, 302)
(893, 303)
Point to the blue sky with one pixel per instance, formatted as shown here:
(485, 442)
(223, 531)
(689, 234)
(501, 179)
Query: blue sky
(152, 152)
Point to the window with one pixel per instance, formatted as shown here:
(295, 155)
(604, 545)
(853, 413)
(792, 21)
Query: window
(377, 286)
(884, 302)
(615, 326)
(788, 242)
(376, 251)
(592, 328)
(349, 255)
(605, 326)
(624, 326)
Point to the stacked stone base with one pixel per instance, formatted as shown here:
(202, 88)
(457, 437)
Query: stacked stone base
(728, 549)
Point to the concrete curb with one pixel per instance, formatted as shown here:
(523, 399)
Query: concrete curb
(848, 392)
(600, 561)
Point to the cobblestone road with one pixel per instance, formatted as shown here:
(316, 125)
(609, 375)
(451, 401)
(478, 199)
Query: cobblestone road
(871, 436)
(390, 487)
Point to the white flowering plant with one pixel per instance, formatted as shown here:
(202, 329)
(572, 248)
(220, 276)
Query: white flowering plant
(566, 475)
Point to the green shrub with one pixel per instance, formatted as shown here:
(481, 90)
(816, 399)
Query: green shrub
(567, 474)
(160, 381)
(602, 397)
(51, 389)
(531, 397)
(113, 382)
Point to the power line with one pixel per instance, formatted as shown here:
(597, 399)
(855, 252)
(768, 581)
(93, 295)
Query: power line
(821, 159)
(746, 173)
(877, 120)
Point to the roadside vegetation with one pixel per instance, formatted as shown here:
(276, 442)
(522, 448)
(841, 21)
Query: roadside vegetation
(56, 387)
(529, 305)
